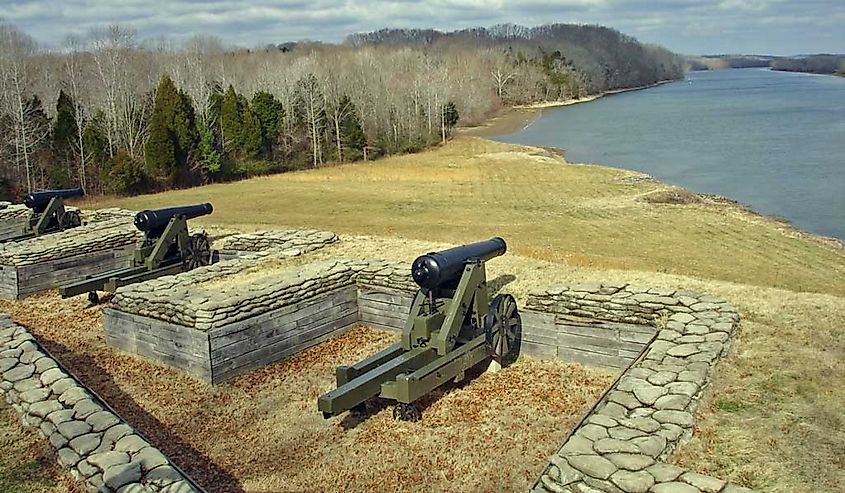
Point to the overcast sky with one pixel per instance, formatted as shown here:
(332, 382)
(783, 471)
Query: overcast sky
(686, 26)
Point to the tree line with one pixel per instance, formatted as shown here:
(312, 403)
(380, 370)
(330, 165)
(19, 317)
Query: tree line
(814, 64)
(114, 114)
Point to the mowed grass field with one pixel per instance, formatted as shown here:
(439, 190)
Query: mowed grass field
(475, 188)
(773, 417)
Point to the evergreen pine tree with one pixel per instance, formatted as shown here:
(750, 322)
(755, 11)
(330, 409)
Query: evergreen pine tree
(209, 157)
(230, 122)
(184, 127)
(160, 152)
(450, 115)
(270, 113)
(250, 133)
(173, 119)
(94, 139)
(352, 134)
(60, 170)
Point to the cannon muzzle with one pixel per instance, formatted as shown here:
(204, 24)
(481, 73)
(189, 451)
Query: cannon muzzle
(151, 220)
(38, 201)
(438, 268)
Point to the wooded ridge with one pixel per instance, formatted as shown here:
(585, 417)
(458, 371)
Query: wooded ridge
(117, 115)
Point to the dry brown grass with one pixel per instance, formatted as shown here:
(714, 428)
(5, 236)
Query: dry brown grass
(578, 215)
(262, 431)
(27, 462)
(773, 419)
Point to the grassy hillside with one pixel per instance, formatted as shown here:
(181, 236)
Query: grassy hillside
(773, 420)
(474, 188)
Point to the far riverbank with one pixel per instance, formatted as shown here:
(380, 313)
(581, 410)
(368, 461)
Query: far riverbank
(512, 119)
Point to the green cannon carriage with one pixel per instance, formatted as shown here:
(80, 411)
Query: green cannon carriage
(167, 248)
(48, 213)
(452, 326)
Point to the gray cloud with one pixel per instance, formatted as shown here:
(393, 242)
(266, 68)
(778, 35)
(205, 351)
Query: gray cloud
(688, 26)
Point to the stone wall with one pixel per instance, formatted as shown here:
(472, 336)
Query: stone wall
(626, 440)
(10, 211)
(104, 235)
(289, 243)
(97, 446)
(13, 217)
(53, 260)
(174, 300)
(384, 274)
(107, 214)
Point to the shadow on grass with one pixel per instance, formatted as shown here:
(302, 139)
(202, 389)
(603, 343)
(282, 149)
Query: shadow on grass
(499, 283)
(201, 469)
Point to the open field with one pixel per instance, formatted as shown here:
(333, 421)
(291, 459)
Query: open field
(577, 215)
(262, 432)
(775, 416)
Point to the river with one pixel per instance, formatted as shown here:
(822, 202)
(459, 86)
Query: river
(772, 140)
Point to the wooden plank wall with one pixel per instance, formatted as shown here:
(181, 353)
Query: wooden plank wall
(174, 345)
(595, 343)
(8, 282)
(237, 348)
(383, 308)
(258, 341)
(34, 278)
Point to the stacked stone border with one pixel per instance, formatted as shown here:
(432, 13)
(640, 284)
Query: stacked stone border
(624, 443)
(287, 243)
(91, 440)
(12, 219)
(49, 261)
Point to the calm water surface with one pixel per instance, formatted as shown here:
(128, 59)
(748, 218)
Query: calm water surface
(772, 140)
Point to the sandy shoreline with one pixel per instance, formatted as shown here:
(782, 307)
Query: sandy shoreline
(512, 119)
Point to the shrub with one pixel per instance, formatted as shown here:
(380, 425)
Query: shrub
(123, 175)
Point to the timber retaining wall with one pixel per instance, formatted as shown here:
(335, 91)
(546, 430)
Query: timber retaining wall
(49, 261)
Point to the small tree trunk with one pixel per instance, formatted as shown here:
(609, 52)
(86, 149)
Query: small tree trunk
(337, 136)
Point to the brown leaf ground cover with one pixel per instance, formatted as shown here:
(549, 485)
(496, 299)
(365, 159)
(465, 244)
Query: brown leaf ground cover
(262, 432)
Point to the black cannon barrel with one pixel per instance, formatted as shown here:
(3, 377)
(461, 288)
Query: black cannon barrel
(150, 220)
(38, 201)
(437, 268)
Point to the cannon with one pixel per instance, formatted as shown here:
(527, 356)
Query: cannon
(48, 213)
(167, 248)
(452, 326)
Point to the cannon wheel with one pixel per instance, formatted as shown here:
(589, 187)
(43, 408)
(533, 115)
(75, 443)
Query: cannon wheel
(199, 252)
(71, 219)
(503, 329)
(406, 412)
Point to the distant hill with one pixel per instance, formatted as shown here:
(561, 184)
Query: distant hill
(816, 64)
(603, 58)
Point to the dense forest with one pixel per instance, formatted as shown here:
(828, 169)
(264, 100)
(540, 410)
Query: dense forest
(115, 114)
